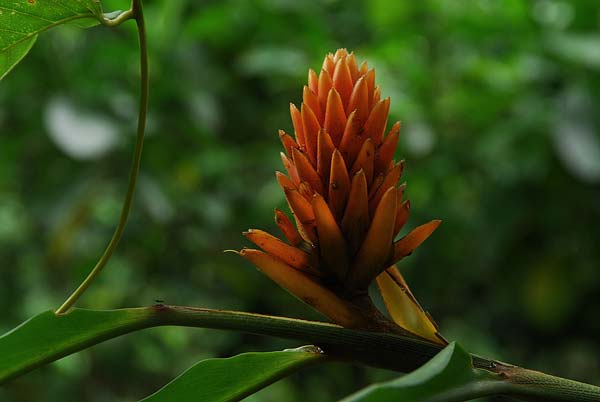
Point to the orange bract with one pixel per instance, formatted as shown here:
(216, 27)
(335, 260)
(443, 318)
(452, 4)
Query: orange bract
(342, 188)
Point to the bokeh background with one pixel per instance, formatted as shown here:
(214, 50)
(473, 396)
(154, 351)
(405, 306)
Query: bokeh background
(501, 132)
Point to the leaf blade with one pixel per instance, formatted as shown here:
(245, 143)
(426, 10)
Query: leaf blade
(447, 377)
(21, 21)
(11, 57)
(47, 336)
(234, 378)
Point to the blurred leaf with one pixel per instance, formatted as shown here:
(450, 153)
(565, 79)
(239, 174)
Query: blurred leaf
(21, 21)
(79, 133)
(268, 60)
(232, 379)
(580, 49)
(449, 376)
(574, 135)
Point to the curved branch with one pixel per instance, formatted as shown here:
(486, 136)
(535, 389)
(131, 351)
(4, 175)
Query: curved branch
(136, 13)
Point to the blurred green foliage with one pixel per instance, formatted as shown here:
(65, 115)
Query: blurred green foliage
(501, 135)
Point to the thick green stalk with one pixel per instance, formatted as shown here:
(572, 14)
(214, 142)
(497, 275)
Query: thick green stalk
(31, 345)
(378, 349)
(531, 385)
(384, 350)
(137, 14)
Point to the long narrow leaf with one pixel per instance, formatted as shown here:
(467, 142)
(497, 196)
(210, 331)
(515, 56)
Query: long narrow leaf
(448, 377)
(48, 337)
(232, 379)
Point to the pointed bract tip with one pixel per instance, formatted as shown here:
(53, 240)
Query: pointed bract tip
(246, 251)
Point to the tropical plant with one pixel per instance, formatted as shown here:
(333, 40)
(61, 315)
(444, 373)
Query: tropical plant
(342, 189)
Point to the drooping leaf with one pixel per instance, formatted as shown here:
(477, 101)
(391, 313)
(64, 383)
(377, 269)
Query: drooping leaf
(22, 20)
(448, 377)
(232, 379)
(47, 337)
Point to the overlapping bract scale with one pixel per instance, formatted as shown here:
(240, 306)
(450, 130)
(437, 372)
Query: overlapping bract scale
(342, 189)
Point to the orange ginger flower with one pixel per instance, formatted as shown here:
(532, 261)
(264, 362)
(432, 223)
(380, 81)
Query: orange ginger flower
(342, 188)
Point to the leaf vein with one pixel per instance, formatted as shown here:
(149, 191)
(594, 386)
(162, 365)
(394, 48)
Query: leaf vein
(14, 31)
(36, 32)
(12, 10)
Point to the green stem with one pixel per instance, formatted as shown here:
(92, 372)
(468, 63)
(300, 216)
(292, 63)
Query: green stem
(80, 329)
(531, 385)
(136, 13)
(385, 350)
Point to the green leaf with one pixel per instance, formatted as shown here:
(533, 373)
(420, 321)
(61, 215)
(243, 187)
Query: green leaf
(13, 55)
(47, 337)
(448, 377)
(22, 20)
(232, 379)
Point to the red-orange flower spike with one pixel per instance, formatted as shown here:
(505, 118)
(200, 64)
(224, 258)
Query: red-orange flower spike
(342, 80)
(291, 168)
(288, 142)
(310, 98)
(356, 220)
(359, 100)
(284, 181)
(343, 192)
(325, 149)
(335, 117)
(287, 228)
(298, 127)
(291, 255)
(324, 85)
(339, 185)
(313, 81)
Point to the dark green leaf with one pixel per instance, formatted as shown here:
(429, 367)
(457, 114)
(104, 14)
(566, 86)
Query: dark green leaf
(448, 377)
(232, 379)
(47, 337)
(22, 20)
